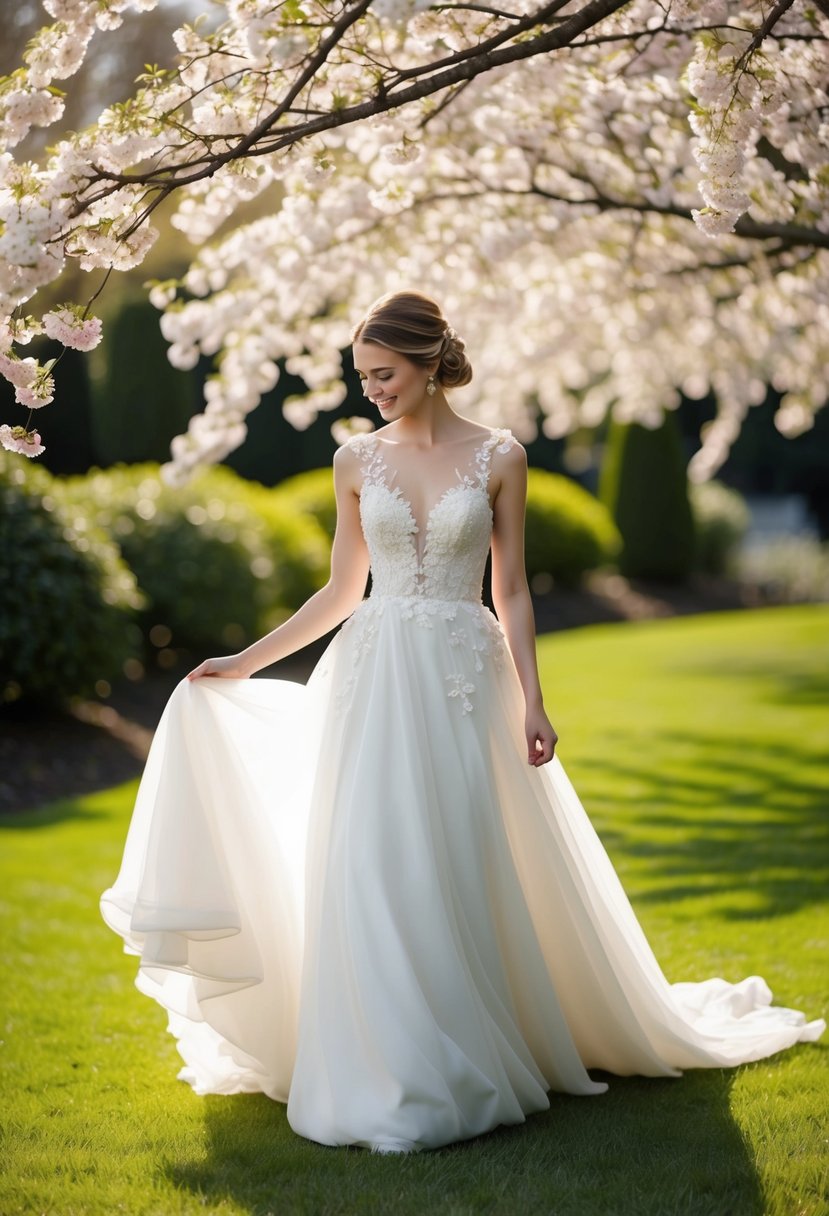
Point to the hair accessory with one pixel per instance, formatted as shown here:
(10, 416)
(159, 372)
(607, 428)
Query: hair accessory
(431, 387)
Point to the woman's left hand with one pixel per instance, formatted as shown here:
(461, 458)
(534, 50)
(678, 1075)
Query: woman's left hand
(541, 737)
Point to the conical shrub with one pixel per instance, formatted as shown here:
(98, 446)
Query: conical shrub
(141, 401)
(644, 485)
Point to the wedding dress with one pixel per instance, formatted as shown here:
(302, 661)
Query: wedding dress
(358, 897)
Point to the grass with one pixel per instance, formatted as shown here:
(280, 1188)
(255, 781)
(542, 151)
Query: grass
(699, 747)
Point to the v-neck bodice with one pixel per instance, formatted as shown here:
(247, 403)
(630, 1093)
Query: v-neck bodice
(444, 556)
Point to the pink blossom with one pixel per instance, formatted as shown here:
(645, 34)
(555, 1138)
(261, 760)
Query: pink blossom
(18, 439)
(41, 392)
(66, 326)
(19, 372)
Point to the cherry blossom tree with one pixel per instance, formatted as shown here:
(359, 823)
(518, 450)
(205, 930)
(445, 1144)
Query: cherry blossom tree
(615, 201)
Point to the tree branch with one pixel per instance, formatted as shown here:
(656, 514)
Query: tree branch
(781, 7)
(483, 61)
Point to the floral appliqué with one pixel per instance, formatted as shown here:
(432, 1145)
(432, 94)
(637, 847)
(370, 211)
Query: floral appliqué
(461, 688)
(441, 581)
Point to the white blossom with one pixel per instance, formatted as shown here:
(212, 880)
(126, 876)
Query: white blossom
(575, 216)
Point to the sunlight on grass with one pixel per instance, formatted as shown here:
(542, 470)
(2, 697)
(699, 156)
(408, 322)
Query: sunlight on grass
(698, 747)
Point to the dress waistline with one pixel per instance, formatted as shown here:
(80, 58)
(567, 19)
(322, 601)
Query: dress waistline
(380, 597)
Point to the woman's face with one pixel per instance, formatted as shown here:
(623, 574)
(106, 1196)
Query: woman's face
(395, 384)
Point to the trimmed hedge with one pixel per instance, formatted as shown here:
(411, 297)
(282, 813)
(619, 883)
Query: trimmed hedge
(568, 531)
(644, 485)
(67, 600)
(141, 401)
(219, 563)
(310, 494)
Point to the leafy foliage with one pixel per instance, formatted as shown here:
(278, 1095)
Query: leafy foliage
(568, 531)
(141, 402)
(66, 598)
(311, 494)
(644, 485)
(218, 562)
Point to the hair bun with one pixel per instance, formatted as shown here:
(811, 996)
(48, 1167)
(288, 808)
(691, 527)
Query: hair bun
(413, 325)
(455, 369)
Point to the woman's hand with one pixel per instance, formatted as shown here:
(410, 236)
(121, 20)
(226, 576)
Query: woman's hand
(541, 737)
(231, 667)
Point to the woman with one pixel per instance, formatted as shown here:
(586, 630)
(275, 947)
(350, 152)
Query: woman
(378, 897)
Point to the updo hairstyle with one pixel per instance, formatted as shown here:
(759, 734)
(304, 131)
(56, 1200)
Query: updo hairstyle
(412, 325)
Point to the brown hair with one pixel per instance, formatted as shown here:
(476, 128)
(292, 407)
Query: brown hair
(413, 325)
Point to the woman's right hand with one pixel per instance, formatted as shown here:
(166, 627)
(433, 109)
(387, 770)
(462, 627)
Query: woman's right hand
(231, 667)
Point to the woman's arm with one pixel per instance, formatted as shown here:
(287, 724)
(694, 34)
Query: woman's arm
(330, 605)
(511, 597)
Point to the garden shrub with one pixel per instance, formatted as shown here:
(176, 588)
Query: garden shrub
(141, 401)
(568, 532)
(67, 600)
(217, 564)
(721, 519)
(644, 485)
(296, 541)
(311, 494)
(788, 569)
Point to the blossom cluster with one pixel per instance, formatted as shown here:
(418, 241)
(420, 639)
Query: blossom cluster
(69, 326)
(607, 224)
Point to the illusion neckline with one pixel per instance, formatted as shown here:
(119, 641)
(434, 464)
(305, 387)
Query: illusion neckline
(397, 443)
(475, 479)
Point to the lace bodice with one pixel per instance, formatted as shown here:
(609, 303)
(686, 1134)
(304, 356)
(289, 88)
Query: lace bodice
(446, 559)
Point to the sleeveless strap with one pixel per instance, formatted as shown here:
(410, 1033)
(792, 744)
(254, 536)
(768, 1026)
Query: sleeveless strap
(366, 449)
(500, 440)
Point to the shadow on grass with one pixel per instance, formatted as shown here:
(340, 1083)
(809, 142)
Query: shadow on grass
(51, 813)
(790, 679)
(649, 1147)
(736, 815)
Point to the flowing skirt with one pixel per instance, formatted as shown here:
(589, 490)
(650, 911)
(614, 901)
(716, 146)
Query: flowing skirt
(357, 897)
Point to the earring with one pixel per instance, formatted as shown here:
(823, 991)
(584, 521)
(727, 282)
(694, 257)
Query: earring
(431, 387)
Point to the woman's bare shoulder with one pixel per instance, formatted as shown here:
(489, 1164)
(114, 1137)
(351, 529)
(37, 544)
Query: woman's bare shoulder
(348, 464)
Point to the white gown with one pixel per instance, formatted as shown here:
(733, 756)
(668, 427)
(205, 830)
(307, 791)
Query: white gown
(356, 896)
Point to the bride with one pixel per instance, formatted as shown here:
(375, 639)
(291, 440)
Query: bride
(377, 897)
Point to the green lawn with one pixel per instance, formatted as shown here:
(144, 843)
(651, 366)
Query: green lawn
(699, 747)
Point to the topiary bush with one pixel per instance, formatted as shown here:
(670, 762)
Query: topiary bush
(218, 564)
(644, 485)
(568, 532)
(721, 519)
(311, 494)
(141, 401)
(296, 540)
(67, 600)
